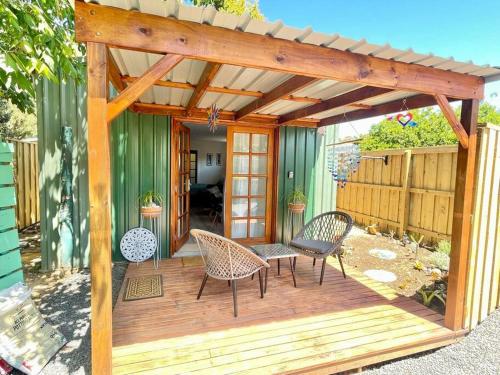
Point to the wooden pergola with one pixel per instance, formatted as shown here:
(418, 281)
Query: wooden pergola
(102, 27)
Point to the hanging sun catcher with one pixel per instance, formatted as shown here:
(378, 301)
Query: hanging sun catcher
(404, 117)
(342, 161)
(213, 117)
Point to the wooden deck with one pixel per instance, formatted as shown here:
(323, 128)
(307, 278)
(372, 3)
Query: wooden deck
(344, 324)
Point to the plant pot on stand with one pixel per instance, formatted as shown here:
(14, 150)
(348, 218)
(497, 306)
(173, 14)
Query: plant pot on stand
(151, 214)
(296, 207)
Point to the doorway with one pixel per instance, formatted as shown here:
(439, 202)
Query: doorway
(222, 182)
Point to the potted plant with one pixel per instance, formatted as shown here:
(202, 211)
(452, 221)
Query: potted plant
(297, 201)
(150, 202)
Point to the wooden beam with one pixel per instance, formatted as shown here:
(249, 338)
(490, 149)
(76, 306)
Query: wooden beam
(136, 89)
(286, 88)
(462, 219)
(301, 99)
(100, 208)
(225, 90)
(454, 122)
(225, 117)
(175, 85)
(413, 102)
(348, 98)
(114, 73)
(146, 32)
(206, 78)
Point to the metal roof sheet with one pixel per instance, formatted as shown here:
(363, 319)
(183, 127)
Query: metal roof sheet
(135, 63)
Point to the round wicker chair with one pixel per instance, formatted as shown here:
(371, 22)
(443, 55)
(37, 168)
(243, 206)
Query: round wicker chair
(323, 236)
(227, 260)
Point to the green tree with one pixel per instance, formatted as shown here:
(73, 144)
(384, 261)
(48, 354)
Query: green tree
(432, 130)
(15, 124)
(238, 7)
(36, 40)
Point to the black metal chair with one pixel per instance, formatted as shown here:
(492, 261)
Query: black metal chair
(323, 236)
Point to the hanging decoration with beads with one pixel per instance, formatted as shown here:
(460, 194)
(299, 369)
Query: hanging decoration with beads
(213, 118)
(342, 161)
(405, 117)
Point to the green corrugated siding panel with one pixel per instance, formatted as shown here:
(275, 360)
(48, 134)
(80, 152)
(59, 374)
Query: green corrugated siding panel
(140, 157)
(60, 105)
(140, 162)
(325, 187)
(297, 153)
(6, 174)
(9, 280)
(10, 262)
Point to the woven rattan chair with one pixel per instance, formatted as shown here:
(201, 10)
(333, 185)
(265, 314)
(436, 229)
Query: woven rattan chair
(226, 260)
(323, 236)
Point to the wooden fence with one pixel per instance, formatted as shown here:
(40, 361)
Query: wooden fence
(483, 276)
(413, 192)
(26, 179)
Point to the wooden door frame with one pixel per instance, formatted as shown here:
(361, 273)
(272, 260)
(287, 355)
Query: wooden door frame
(174, 181)
(272, 185)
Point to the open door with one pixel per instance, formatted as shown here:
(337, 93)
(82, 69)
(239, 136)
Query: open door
(249, 181)
(181, 153)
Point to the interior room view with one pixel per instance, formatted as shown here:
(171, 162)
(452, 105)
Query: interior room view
(204, 203)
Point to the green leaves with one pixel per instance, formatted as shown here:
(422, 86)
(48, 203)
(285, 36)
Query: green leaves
(432, 130)
(36, 40)
(237, 7)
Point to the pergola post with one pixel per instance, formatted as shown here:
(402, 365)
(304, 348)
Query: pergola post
(462, 218)
(100, 208)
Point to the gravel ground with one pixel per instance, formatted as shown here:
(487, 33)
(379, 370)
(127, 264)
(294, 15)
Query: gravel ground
(66, 305)
(478, 353)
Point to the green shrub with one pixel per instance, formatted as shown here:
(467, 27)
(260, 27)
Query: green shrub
(444, 247)
(440, 260)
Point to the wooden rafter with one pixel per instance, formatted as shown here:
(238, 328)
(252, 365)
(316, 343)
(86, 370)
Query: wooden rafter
(225, 117)
(348, 98)
(114, 73)
(211, 70)
(162, 83)
(151, 33)
(136, 89)
(454, 122)
(413, 102)
(285, 89)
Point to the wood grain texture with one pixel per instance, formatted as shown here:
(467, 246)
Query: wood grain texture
(100, 208)
(114, 73)
(462, 219)
(348, 98)
(151, 33)
(454, 122)
(291, 330)
(209, 73)
(128, 96)
(285, 89)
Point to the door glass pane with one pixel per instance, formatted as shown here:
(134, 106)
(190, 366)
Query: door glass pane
(239, 228)
(257, 228)
(241, 142)
(257, 207)
(240, 185)
(259, 142)
(240, 164)
(240, 207)
(258, 186)
(259, 164)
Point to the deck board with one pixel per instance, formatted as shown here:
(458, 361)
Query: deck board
(346, 323)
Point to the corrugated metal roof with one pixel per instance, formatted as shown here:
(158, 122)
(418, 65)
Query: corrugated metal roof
(134, 63)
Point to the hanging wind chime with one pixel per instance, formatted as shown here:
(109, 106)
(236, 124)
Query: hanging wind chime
(213, 118)
(404, 117)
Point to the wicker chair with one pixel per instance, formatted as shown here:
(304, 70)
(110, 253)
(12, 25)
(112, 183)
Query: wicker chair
(323, 236)
(226, 260)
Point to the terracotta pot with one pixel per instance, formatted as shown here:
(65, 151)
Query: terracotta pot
(296, 208)
(152, 211)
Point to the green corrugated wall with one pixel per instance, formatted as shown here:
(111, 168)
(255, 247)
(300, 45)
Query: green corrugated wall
(302, 151)
(140, 162)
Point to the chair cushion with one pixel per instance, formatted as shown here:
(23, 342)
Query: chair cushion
(318, 246)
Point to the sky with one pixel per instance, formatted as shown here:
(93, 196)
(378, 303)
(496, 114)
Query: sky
(467, 30)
